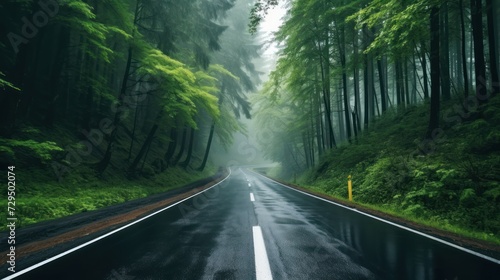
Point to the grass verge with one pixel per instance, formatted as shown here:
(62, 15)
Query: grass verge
(43, 200)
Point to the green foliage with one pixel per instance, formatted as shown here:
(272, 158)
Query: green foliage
(226, 126)
(455, 186)
(41, 200)
(40, 150)
(493, 192)
(7, 156)
(400, 25)
(5, 84)
(79, 16)
(93, 63)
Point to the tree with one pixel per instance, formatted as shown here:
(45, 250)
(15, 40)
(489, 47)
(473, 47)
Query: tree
(493, 48)
(126, 76)
(435, 73)
(479, 64)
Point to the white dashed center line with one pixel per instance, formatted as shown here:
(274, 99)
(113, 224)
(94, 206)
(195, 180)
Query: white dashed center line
(252, 198)
(262, 268)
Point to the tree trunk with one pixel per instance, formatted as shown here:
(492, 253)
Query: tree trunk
(383, 94)
(340, 108)
(435, 73)
(399, 83)
(495, 83)
(407, 82)
(445, 51)
(103, 164)
(305, 146)
(310, 132)
(189, 155)
(357, 102)
(183, 147)
(207, 150)
(132, 138)
(479, 65)
(144, 148)
(463, 50)
(319, 126)
(414, 80)
(325, 78)
(171, 146)
(424, 70)
(57, 67)
(347, 106)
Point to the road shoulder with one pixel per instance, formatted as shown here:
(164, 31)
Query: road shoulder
(483, 247)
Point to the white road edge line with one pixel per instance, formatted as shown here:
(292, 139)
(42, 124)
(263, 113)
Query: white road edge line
(252, 198)
(12, 276)
(394, 224)
(262, 268)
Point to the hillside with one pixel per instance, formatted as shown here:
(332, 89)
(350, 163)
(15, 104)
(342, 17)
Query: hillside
(54, 178)
(452, 182)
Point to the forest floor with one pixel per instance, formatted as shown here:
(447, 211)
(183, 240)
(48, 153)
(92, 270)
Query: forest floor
(46, 239)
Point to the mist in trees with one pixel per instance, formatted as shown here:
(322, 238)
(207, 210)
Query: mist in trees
(144, 84)
(343, 64)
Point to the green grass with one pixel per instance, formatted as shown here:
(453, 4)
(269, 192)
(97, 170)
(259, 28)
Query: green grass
(80, 192)
(434, 222)
(40, 196)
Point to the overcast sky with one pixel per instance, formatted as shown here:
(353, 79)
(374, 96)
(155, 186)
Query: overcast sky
(271, 24)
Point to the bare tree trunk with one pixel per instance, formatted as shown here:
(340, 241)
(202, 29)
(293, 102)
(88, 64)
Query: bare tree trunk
(189, 155)
(383, 93)
(144, 148)
(495, 83)
(406, 82)
(132, 138)
(445, 51)
(182, 148)
(463, 50)
(207, 150)
(171, 146)
(435, 72)
(103, 164)
(319, 124)
(424, 70)
(479, 65)
(325, 78)
(347, 106)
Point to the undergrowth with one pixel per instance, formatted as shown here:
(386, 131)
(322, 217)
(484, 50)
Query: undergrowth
(41, 201)
(41, 194)
(450, 182)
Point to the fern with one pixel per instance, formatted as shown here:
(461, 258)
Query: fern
(5, 84)
(42, 150)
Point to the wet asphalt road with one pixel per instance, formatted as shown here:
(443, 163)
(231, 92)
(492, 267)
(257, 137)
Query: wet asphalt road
(211, 236)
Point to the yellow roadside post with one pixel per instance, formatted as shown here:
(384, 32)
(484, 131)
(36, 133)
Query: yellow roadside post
(349, 187)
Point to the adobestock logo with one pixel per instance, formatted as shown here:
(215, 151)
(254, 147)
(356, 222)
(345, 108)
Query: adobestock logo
(30, 28)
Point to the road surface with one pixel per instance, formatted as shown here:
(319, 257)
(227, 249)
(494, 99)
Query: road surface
(249, 227)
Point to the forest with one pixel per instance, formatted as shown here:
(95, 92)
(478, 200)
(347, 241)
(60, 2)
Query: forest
(400, 95)
(106, 101)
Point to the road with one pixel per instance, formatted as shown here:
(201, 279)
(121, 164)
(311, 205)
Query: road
(249, 227)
